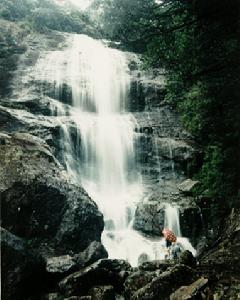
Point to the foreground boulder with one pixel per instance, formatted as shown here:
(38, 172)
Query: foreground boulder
(163, 285)
(137, 280)
(38, 202)
(186, 258)
(102, 293)
(59, 267)
(22, 269)
(103, 272)
(193, 291)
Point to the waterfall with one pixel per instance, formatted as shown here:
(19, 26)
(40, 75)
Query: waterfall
(98, 138)
(171, 220)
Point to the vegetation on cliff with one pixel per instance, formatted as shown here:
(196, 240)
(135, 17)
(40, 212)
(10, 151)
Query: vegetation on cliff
(43, 15)
(197, 43)
(20, 18)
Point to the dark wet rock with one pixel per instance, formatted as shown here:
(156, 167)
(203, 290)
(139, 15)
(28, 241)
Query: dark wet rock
(147, 87)
(224, 254)
(59, 267)
(178, 150)
(94, 252)
(102, 293)
(187, 186)
(23, 269)
(154, 265)
(191, 292)
(9, 121)
(163, 285)
(38, 202)
(14, 120)
(186, 258)
(52, 296)
(149, 216)
(143, 258)
(61, 264)
(191, 223)
(103, 272)
(137, 280)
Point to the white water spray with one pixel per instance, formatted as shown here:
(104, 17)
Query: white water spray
(101, 156)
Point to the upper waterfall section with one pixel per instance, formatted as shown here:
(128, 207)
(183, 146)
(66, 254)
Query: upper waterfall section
(98, 76)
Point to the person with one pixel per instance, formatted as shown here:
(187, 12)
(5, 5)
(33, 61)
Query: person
(169, 238)
(176, 250)
(168, 246)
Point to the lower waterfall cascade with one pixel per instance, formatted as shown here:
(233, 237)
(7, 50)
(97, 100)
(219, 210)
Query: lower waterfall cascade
(101, 156)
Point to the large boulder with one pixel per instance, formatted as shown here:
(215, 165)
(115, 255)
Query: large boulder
(103, 272)
(150, 215)
(177, 150)
(102, 293)
(149, 218)
(154, 265)
(137, 280)
(186, 258)
(61, 266)
(38, 202)
(22, 269)
(163, 285)
(190, 292)
(187, 186)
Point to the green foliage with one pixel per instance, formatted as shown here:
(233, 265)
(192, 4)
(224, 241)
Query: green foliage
(43, 15)
(211, 173)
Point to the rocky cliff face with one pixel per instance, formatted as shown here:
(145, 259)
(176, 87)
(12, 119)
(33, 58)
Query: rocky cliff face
(38, 202)
(166, 154)
(51, 239)
(43, 213)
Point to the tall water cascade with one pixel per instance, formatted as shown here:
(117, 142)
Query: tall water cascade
(100, 153)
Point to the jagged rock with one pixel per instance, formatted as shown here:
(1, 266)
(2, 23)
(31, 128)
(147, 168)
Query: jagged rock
(102, 293)
(149, 217)
(190, 292)
(186, 258)
(94, 252)
(52, 296)
(154, 265)
(23, 269)
(224, 256)
(38, 202)
(163, 285)
(62, 266)
(103, 272)
(175, 149)
(137, 280)
(47, 128)
(187, 185)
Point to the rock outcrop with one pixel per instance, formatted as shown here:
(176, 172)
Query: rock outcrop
(150, 215)
(104, 272)
(59, 267)
(38, 202)
(22, 268)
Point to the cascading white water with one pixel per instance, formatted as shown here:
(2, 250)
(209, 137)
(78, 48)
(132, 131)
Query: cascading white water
(102, 156)
(171, 220)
